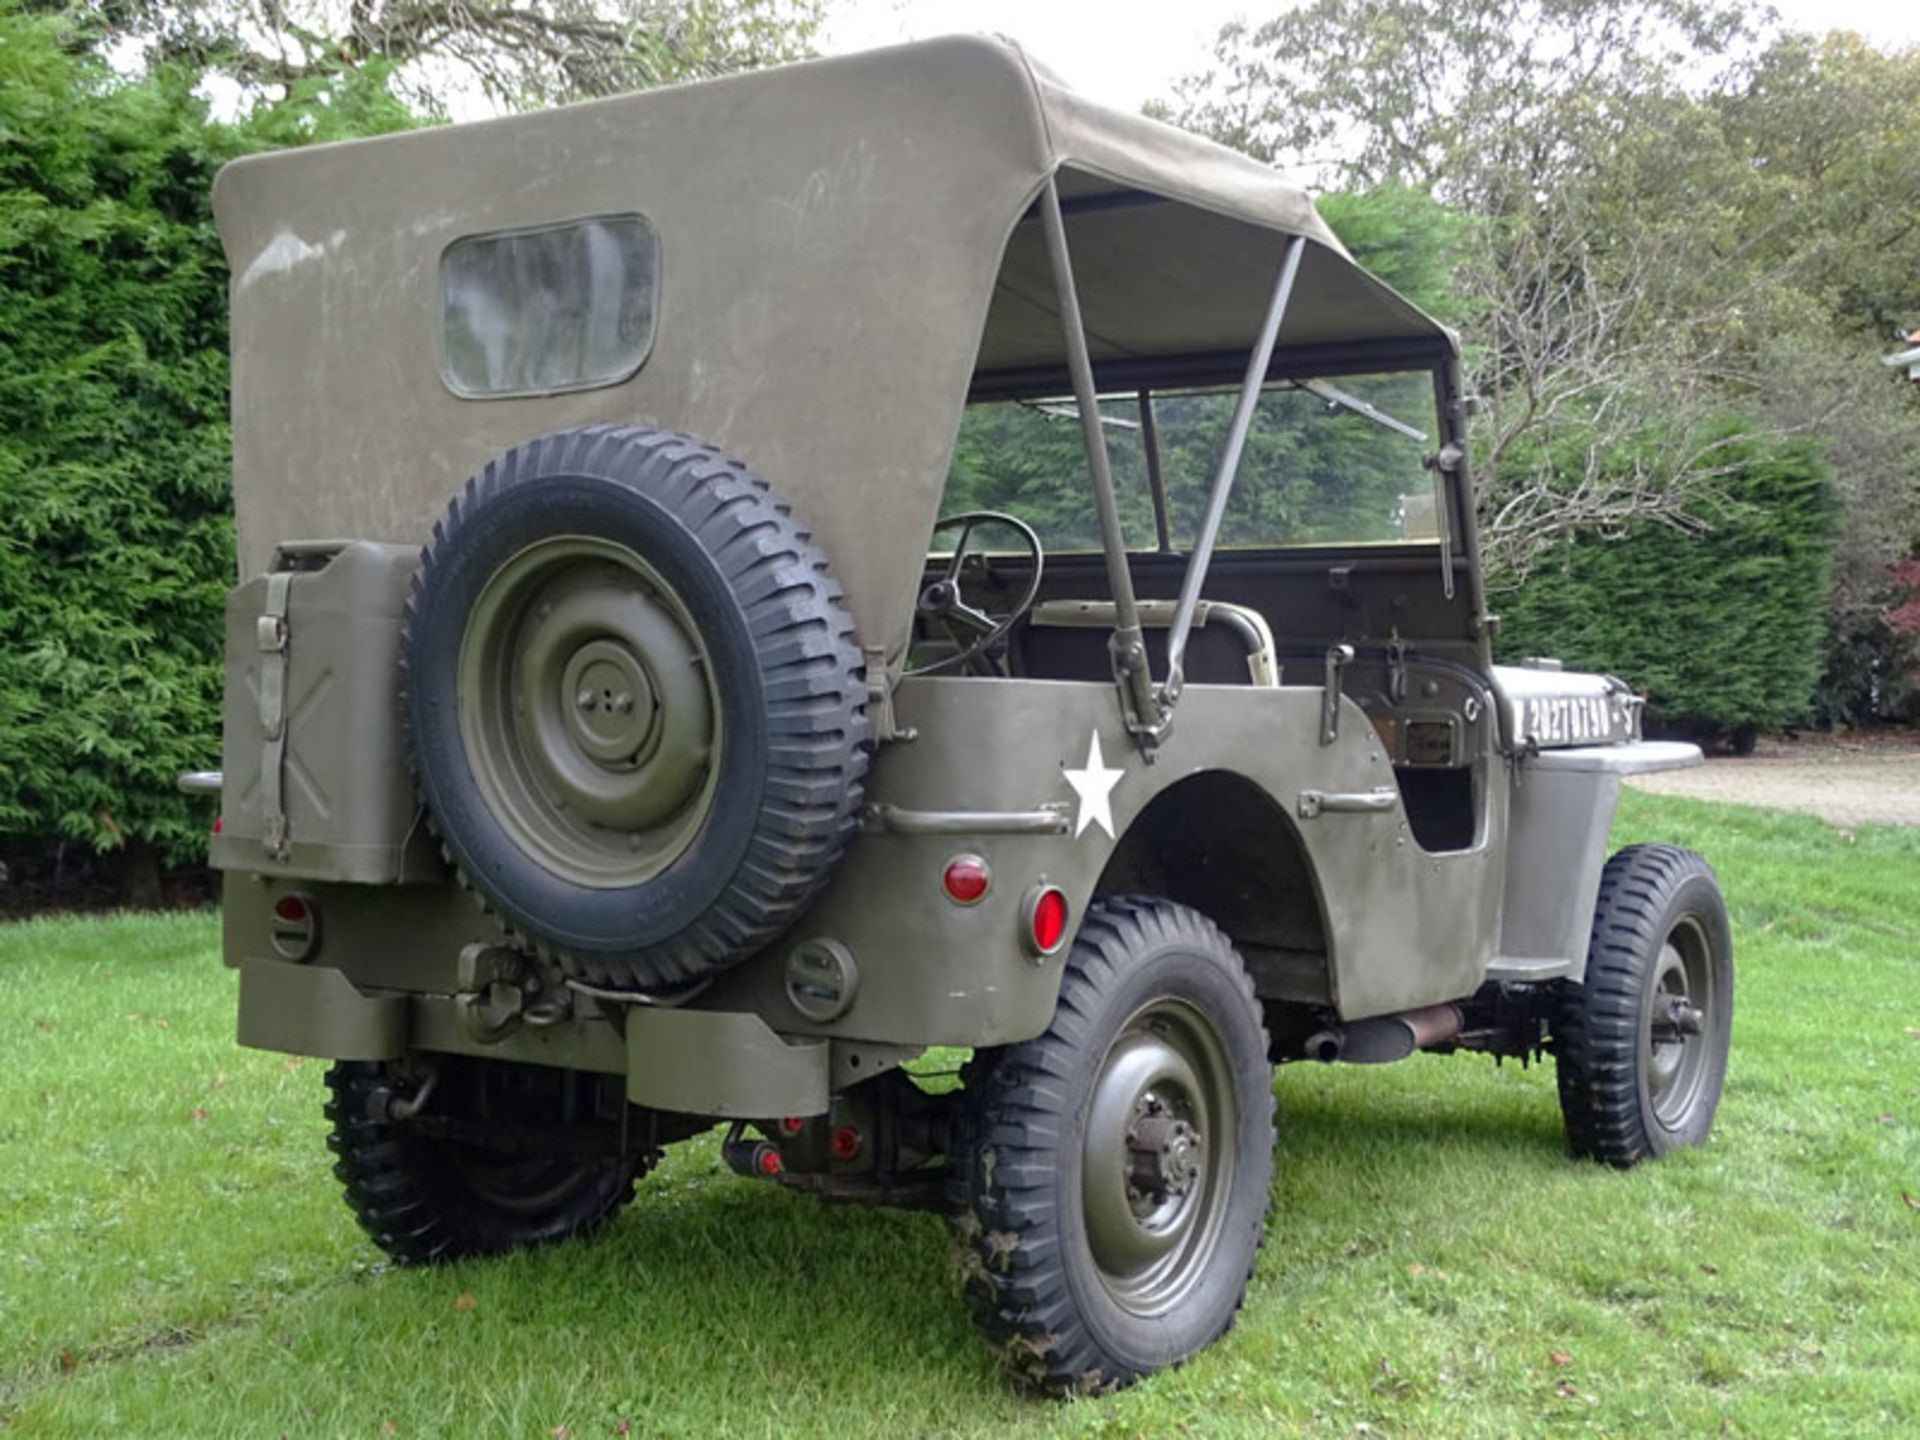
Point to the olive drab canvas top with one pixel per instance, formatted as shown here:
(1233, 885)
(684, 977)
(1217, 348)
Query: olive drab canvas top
(820, 261)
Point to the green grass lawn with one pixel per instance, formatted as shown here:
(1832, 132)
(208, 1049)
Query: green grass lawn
(175, 1259)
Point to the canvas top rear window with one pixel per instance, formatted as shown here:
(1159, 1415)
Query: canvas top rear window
(549, 309)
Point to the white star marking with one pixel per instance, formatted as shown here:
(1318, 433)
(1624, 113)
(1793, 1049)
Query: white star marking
(1094, 785)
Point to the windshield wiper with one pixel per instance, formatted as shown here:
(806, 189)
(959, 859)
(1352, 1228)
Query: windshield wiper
(1068, 410)
(1336, 396)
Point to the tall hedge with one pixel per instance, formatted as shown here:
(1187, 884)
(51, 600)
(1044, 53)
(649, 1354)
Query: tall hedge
(1719, 630)
(115, 517)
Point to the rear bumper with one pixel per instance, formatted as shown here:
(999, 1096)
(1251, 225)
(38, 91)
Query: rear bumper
(699, 1062)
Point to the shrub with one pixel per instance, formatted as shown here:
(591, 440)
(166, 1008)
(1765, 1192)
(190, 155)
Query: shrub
(1872, 673)
(1720, 630)
(116, 547)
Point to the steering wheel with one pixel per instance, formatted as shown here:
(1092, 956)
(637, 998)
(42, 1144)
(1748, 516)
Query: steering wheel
(971, 628)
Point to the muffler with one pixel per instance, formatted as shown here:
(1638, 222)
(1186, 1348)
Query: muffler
(1382, 1039)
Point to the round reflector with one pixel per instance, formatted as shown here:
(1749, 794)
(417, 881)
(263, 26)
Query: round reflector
(1046, 920)
(965, 879)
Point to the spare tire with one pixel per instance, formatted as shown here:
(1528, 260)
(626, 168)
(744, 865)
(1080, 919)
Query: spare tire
(635, 707)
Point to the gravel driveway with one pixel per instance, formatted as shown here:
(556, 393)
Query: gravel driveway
(1845, 781)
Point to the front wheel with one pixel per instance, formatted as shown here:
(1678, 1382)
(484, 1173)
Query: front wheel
(1641, 1044)
(1120, 1163)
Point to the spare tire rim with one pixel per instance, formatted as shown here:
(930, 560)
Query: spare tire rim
(1680, 1009)
(588, 711)
(1158, 1161)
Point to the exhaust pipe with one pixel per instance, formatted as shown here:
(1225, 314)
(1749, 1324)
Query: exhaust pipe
(1326, 1045)
(1382, 1039)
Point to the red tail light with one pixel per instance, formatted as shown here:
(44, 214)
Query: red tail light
(293, 927)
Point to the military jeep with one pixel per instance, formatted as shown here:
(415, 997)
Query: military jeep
(753, 582)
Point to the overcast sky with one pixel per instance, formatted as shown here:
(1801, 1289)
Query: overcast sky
(1127, 51)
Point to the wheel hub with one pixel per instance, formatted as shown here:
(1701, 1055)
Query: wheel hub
(613, 712)
(1677, 1017)
(1164, 1155)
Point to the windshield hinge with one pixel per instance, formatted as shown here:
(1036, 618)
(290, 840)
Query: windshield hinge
(1445, 463)
(1146, 708)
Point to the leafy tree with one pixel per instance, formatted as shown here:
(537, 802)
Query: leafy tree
(1823, 140)
(516, 54)
(1607, 285)
(1409, 239)
(1823, 135)
(1872, 669)
(1462, 99)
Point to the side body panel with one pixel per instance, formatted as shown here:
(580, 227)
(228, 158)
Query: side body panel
(1404, 927)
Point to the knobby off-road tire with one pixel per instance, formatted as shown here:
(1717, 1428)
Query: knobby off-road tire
(423, 1200)
(635, 706)
(1119, 1165)
(1641, 1045)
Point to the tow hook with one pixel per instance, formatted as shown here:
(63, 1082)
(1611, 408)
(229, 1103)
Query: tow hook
(491, 997)
(497, 992)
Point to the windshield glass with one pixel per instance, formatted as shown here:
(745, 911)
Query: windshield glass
(1316, 470)
(1027, 458)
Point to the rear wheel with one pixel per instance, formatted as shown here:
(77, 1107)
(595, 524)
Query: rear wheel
(1119, 1164)
(423, 1196)
(1641, 1044)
